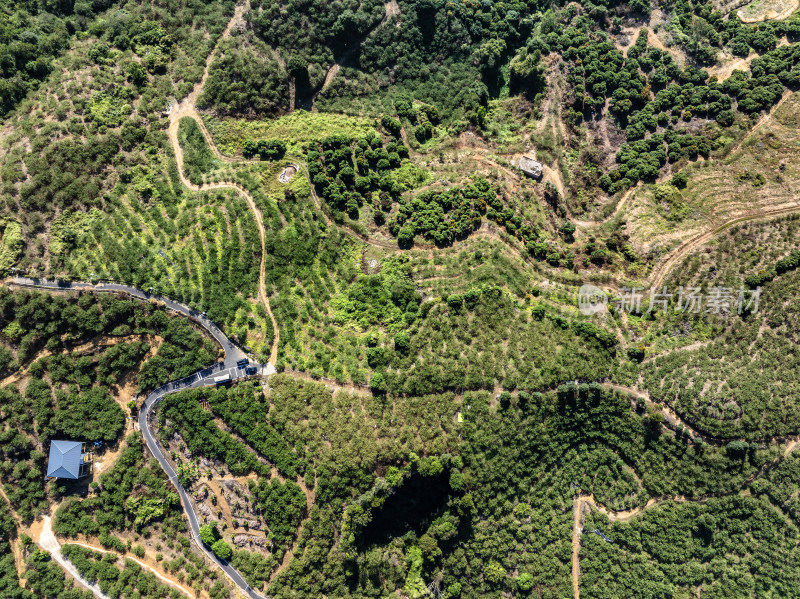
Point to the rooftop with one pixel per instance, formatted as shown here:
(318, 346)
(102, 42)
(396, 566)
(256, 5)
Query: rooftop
(66, 460)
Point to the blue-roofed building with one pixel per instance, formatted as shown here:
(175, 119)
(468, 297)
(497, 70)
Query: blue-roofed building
(69, 459)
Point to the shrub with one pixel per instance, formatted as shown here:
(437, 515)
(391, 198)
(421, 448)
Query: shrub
(222, 550)
(209, 533)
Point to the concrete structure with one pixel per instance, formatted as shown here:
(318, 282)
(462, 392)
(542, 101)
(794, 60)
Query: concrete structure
(69, 459)
(530, 167)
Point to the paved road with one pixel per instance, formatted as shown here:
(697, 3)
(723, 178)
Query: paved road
(203, 378)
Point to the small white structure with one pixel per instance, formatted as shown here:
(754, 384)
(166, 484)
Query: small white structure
(222, 380)
(288, 172)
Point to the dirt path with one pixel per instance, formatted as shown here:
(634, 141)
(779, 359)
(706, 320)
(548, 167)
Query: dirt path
(585, 224)
(655, 41)
(673, 420)
(187, 108)
(577, 506)
(47, 540)
(156, 573)
(662, 269)
(761, 122)
(553, 175)
(190, 101)
(332, 72)
(391, 9)
(670, 416)
(725, 70)
(332, 385)
(22, 373)
(553, 121)
(586, 502)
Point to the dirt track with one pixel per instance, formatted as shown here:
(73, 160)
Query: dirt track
(155, 572)
(663, 268)
(188, 109)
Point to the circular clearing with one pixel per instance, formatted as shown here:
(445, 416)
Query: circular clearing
(288, 172)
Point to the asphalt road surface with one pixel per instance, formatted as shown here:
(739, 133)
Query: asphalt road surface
(203, 378)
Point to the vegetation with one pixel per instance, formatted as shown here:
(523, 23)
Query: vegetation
(198, 159)
(283, 506)
(70, 394)
(245, 81)
(254, 567)
(737, 397)
(45, 578)
(196, 426)
(580, 439)
(9, 581)
(114, 506)
(129, 580)
(191, 257)
(244, 409)
(676, 548)
(441, 407)
(10, 245)
(32, 36)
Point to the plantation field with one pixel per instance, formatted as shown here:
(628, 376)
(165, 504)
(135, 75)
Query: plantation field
(765, 10)
(201, 249)
(442, 419)
(759, 174)
(740, 382)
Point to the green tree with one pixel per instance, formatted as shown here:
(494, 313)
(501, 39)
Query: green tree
(402, 342)
(494, 572)
(525, 583)
(209, 533)
(222, 550)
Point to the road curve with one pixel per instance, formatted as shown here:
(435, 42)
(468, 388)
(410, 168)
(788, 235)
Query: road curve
(203, 378)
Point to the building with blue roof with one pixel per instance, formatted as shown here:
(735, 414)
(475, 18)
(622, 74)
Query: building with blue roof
(69, 459)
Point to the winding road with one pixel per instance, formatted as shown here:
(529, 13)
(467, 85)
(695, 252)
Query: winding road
(187, 108)
(203, 378)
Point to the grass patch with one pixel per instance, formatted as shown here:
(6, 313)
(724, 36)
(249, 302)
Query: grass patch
(764, 10)
(198, 159)
(10, 244)
(295, 130)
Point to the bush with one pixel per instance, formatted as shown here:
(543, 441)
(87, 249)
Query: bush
(670, 201)
(402, 342)
(209, 533)
(222, 550)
